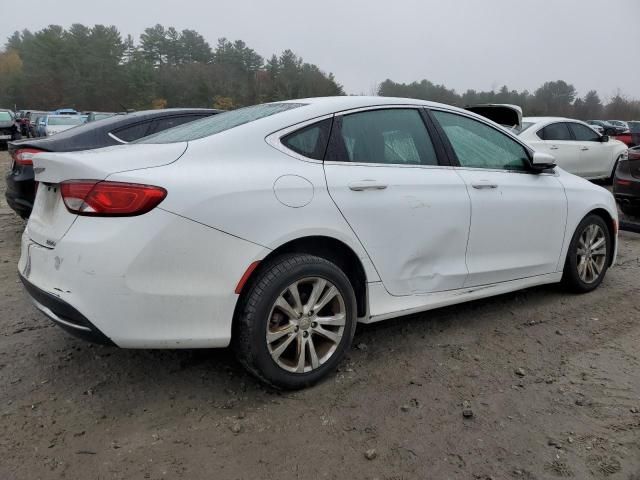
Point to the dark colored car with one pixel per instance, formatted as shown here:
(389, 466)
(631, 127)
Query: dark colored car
(115, 130)
(634, 129)
(9, 129)
(626, 183)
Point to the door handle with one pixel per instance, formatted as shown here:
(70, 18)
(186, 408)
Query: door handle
(553, 147)
(481, 186)
(584, 149)
(366, 185)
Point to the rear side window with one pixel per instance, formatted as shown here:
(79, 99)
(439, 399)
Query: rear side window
(310, 141)
(478, 145)
(555, 131)
(219, 123)
(583, 133)
(162, 124)
(391, 136)
(132, 132)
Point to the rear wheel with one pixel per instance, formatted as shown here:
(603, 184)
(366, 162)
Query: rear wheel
(588, 256)
(296, 321)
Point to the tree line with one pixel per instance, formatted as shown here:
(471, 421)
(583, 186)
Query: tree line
(556, 98)
(95, 68)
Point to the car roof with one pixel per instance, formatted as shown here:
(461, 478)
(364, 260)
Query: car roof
(85, 136)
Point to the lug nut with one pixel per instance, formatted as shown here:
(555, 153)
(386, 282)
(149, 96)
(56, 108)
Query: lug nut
(314, 324)
(297, 328)
(305, 334)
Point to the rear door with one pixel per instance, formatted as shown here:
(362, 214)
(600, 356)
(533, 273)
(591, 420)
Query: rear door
(410, 211)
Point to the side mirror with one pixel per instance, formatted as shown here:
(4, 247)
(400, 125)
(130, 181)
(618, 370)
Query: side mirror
(604, 138)
(542, 161)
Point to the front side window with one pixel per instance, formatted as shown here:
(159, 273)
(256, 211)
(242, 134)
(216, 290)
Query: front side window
(480, 146)
(391, 136)
(555, 132)
(310, 141)
(583, 133)
(219, 123)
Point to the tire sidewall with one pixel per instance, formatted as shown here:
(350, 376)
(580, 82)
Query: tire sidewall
(261, 358)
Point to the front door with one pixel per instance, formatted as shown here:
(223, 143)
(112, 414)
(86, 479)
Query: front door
(410, 212)
(517, 217)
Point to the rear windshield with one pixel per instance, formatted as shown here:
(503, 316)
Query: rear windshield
(5, 117)
(218, 123)
(66, 120)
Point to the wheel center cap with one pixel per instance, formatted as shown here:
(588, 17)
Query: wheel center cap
(304, 324)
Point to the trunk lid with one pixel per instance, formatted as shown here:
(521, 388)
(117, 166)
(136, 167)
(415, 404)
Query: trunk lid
(509, 116)
(50, 219)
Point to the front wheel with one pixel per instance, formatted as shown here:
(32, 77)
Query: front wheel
(588, 256)
(296, 321)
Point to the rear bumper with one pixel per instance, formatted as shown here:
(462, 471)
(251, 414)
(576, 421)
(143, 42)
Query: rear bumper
(153, 281)
(64, 315)
(626, 187)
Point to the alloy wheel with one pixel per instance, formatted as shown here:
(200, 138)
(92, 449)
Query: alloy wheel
(306, 325)
(592, 253)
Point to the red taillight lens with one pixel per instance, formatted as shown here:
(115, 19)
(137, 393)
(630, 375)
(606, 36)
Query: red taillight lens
(24, 156)
(110, 199)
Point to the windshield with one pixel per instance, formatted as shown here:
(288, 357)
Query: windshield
(65, 120)
(218, 123)
(5, 117)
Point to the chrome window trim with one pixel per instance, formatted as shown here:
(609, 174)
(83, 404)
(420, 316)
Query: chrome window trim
(275, 139)
(116, 138)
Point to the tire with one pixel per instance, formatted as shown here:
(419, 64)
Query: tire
(579, 280)
(258, 315)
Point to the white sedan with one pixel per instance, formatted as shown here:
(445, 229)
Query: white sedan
(576, 146)
(278, 227)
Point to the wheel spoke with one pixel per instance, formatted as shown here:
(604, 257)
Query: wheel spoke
(301, 352)
(599, 252)
(335, 320)
(283, 305)
(278, 351)
(595, 268)
(329, 295)
(318, 288)
(598, 243)
(295, 293)
(273, 336)
(334, 337)
(582, 265)
(315, 363)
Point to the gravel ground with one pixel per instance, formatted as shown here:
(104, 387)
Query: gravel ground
(533, 385)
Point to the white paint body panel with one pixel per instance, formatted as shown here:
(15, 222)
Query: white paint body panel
(166, 279)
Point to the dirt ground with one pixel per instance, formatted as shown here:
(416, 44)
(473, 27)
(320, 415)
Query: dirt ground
(551, 379)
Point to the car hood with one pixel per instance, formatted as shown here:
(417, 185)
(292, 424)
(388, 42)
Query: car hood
(503, 114)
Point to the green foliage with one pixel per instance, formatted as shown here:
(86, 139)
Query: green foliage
(551, 99)
(94, 68)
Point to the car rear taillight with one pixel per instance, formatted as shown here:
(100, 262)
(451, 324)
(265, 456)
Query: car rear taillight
(110, 199)
(634, 153)
(24, 156)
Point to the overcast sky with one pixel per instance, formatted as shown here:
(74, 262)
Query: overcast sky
(479, 44)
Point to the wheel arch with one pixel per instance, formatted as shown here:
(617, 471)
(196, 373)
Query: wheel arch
(330, 249)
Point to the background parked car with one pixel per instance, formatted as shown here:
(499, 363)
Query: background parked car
(93, 116)
(9, 129)
(626, 184)
(607, 128)
(619, 123)
(576, 147)
(118, 129)
(54, 124)
(634, 128)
